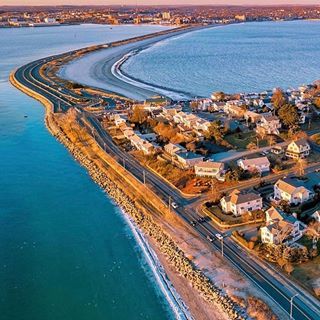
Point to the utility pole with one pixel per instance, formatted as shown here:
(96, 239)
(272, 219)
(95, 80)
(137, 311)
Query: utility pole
(104, 146)
(291, 305)
(169, 203)
(124, 162)
(144, 177)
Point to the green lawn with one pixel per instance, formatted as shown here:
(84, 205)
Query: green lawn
(241, 140)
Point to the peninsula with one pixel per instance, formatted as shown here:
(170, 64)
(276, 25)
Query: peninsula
(93, 123)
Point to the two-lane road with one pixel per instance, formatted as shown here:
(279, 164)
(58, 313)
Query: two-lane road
(280, 290)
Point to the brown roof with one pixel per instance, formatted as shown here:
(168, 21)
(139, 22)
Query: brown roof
(290, 188)
(238, 197)
(209, 165)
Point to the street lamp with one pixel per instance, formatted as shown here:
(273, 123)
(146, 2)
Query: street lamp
(291, 304)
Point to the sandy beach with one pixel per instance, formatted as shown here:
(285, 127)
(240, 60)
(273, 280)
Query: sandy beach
(98, 70)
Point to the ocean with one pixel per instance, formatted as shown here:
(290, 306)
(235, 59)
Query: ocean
(245, 57)
(66, 252)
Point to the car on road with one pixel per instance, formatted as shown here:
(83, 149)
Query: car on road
(174, 205)
(201, 219)
(210, 238)
(219, 236)
(193, 223)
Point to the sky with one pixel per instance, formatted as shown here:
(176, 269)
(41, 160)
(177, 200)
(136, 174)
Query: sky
(155, 2)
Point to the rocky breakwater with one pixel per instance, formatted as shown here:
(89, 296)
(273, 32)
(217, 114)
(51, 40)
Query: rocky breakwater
(105, 179)
(146, 223)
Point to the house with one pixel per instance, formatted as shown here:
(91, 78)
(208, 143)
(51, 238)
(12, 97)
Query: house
(209, 169)
(280, 228)
(252, 117)
(119, 119)
(277, 150)
(188, 159)
(187, 119)
(172, 149)
(217, 106)
(202, 124)
(292, 190)
(140, 144)
(128, 133)
(269, 124)
(234, 108)
(260, 165)
(316, 216)
(240, 202)
(298, 149)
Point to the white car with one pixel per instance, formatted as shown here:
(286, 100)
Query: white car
(174, 205)
(219, 236)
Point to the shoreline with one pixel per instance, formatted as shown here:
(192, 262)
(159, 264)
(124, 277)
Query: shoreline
(117, 71)
(96, 68)
(107, 180)
(173, 298)
(177, 306)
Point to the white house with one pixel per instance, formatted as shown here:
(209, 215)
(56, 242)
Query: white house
(269, 124)
(298, 149)
(280, 229)
(233, 108)
(316, 216)
(119, 119)
(172, 149)
(291, 191)
(261, 164)
(145, 146)
(240, 202)
(188, 159)
(209, 169)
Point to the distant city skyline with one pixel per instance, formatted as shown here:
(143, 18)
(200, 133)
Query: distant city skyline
(158, 2)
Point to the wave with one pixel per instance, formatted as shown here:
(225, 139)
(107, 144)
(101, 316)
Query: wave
(176, 303)
(121, 75)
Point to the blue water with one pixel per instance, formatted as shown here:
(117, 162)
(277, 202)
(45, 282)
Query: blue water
(235, 58)
(65, 251)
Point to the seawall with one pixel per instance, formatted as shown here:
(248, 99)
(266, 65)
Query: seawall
(116, 185)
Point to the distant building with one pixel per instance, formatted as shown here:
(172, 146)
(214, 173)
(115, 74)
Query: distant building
(298, 149)
(241, 17)
(49, 20)
(240, 202)
(166, 15)
(260, 165)
(209, 169)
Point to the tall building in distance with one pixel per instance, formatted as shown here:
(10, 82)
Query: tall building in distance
(166, 15)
